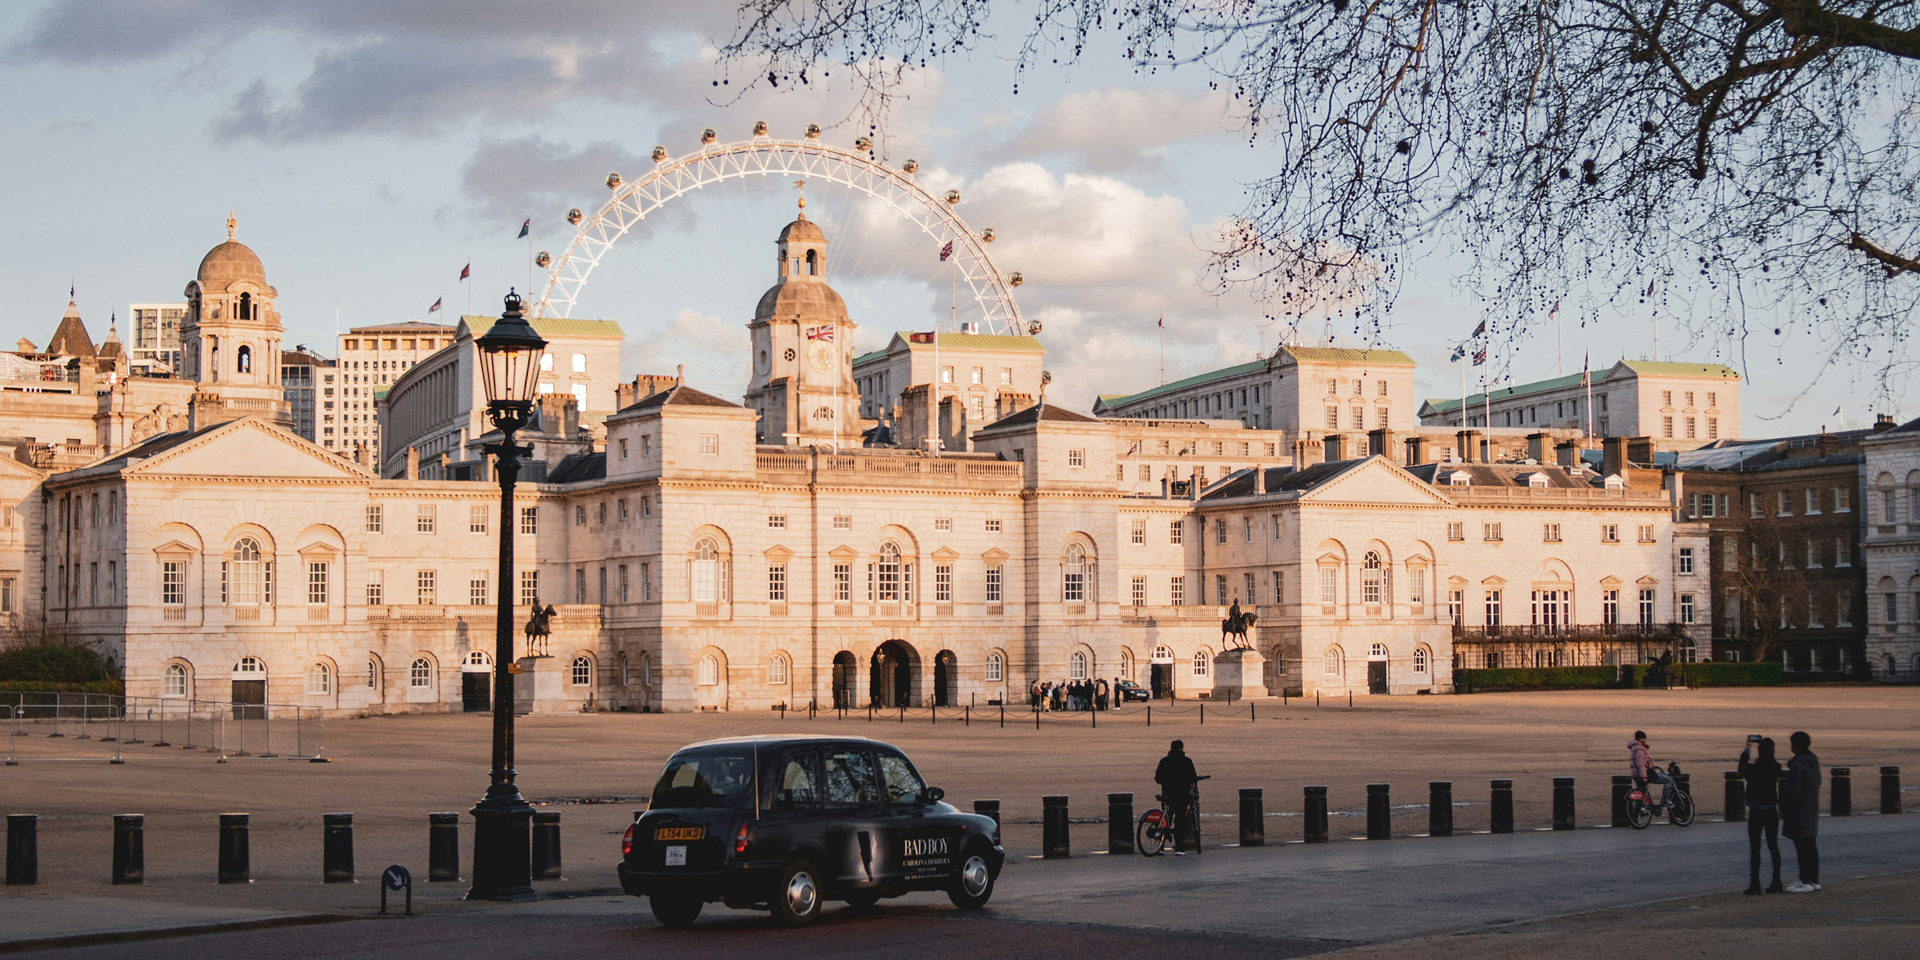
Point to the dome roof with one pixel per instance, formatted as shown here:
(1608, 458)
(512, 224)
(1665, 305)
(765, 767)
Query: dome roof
(803, 230)
(229, 262)
(800, 297)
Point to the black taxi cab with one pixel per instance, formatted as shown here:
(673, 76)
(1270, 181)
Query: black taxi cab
(787, 823)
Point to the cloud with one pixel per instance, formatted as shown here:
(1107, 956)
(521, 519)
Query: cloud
(505, 180)
(1114, 128)
(712, 351)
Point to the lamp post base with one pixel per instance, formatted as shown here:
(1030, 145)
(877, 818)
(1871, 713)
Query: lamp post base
(502, 853)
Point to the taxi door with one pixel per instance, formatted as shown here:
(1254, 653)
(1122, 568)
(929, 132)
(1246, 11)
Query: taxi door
(852, 807)
(921, 849)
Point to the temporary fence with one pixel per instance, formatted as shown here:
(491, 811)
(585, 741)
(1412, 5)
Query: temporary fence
(1004, 715)
(225, 728)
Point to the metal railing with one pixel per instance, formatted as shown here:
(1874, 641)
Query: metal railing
(259, 730)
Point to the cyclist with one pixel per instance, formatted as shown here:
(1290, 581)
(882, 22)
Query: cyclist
(1640, 764)
(1177, 780)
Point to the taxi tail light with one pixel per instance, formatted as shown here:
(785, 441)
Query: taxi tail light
(740, 838)
(626, 841)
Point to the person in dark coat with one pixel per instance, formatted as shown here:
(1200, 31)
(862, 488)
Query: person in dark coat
(1176, 778)
(1800, 811)
(1763, 813)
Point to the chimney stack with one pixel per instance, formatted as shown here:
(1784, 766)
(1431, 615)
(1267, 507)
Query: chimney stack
(1640, 450)
(1380, 443)
(1614, 457)
(1335, 447)
(1537, 447)
(1566, 453)
(1469, 441)
(413, 463)
(1883, 423)
(1259, 478)
(1417, 451)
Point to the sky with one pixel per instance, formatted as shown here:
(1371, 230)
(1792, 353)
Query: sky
(371, 148)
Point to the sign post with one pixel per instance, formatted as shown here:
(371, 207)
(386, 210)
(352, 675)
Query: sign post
(396, 878)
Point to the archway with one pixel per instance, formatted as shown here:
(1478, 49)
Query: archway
(844, 692)
(946, 679)
(892, 674)
(476, 682)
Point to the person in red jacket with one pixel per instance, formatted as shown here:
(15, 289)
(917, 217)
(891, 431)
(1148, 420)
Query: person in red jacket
(1639, 761)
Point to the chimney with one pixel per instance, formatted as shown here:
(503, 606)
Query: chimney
(1194, 484)
(1566, 453)
(1883, 423)
(1380, 443)
(1259, 478)
(413, 463)
(570, 416)
(1640, 450)
(1537, 447)
(1827, 445)
(1614, 457)
(1417, 451)
(360, 453)
(1469, 441)
(1306, 453)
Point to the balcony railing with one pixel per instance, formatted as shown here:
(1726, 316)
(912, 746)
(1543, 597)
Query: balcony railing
(1578, 633)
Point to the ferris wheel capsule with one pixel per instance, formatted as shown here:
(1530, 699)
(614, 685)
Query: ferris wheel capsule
(542, 259)
(987, 235)
(708, 136)
(659, 154)
(813, 131)
(613, 180)
(574, 215)
(1015, 278)
(952, 197)
(760, 128)
(1033, 328)
(863, 144)
(910, 168)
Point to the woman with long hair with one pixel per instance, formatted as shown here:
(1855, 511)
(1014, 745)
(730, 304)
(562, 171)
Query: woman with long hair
(1763, 812)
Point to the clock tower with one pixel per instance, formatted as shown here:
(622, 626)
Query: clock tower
(802, 385)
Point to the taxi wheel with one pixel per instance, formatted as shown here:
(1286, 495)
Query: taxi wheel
(675, 911)
(797, 902)
(974, 885)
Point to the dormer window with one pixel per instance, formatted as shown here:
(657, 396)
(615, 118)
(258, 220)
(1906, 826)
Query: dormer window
(1538, 480)
(1459, 478)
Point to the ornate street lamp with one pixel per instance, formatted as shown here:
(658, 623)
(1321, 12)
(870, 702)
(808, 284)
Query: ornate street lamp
(502, 820)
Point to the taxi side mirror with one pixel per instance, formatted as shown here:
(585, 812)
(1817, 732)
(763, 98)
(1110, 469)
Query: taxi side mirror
(935, 794)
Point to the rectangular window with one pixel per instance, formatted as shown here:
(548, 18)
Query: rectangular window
(1686, 608)
(173, 585)
(1359, 421)
(1785, 508)
(623, 448)
(709, 444)
(373, 517)
(1713, 428)
(1646, 533)
(1279, 588)
(1843, 614)
(1490, 531)
(1689, 423)
(1646, 608)
(426, 518)
(1457, 607)
(1666, 427)
(1249, 584)
(1219, 530)
(625, 585)
(1139, 591)
(1138, 532)
(843, 523)
(1246, 529)
(529, 520)
(1887, 512)
(426, 591)
(601, 516)
(1686, 559)
(1456, 531)
(1176, 590)
(646, 507)
(1842, 500)
(477, 590)
(1333, 417)
(777, 583)
(1495, 600)
(603, 584)
(646, 583)
(1890, 612)
(580, 585)
(623, 509)
(993, 525)
(1813, 502)
(579, 514)
(1076, 458)
(943, 524)
(376, 588)
(1609, 533)
(1176, 532)
(943, 583)
(1550, 533)
(1329, 586)
(776, 521)
(317, 583)
(477, 518)
(1842, 552)
(842, 582)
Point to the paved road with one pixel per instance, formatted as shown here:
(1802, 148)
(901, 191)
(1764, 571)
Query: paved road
(1292, 900)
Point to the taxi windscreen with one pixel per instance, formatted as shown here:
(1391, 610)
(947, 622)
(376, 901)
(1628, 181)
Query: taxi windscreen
(706, 778)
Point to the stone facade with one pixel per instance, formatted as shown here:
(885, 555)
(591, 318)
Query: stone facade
(1892, 546)
(1678, 405)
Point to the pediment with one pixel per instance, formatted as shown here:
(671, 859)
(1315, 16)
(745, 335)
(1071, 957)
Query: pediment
(1647, 581)
(843, 552)
(945, 554)
(245, 449)
(996, 555)
(1494, 582)
(779, 554)
(1609, 581)
(1378, 482)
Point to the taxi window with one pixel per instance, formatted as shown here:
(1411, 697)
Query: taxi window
(794, 786)
(901, 784)
(848, 775)
(705, 779)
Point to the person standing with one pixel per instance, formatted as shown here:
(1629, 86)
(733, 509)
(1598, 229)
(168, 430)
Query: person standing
(1800, 811)
(1177, 778)
(1763, 812)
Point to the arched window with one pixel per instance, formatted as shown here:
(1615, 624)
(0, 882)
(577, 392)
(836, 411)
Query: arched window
(626, 671)
(249, 668)
(777, 669)
(479, 658)
(706, 572)
(245, 312)
(1370, 579)
(889, 573)
(243, 360)
(1077, 666)
(1073, 588)
(1202, 664)
(248, 573)
(1336, 663)
(319, 680)
(813, 263)
(174, 686)
(1163, 652)
(709, 671)
(420, 675)
(1126, 664)
(996, 667)
(1378, 651)
(373, 673)
(582, 672)
(1420, 660)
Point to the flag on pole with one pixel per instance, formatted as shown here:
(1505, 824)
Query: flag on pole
(1480, 356)
(1163, 321)
(946, 251)
(820, 333)
(435, 308)
(1555, 311)
(525, 225)
(466, 271)
(1482, 328)
(1459, 353)
(1586, 369)
(920, 337)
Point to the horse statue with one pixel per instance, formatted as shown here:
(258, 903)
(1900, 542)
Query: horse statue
(1233, 630)
(539, 628)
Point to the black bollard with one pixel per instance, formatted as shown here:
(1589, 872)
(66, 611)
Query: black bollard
(1889, 789)
(1253, 817)
(1842, 791)
(1119, 823)
(1440, 808)
(23, 849)
(235, 859)
(1736, 797)
(336, 847)
(1501, 820)
(1622, 785)
(443, 847)
(129, 848)
(1315, 830)
(991, 810)
(1563, 803)
(1379, 812)
(1054, 843)
(546, 845)
(1685, 780)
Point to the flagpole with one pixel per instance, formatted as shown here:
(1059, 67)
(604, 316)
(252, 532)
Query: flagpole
(1163, 348)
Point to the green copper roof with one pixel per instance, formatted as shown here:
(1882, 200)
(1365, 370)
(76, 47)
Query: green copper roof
(1224, 373)
(1347, 355)
(551, 327)
(871, 355)
(1667, 368)
(1671, 368)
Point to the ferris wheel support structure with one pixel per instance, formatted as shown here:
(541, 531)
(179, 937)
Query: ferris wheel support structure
(764, 156)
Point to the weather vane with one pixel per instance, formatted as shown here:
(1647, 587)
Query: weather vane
(801, 185)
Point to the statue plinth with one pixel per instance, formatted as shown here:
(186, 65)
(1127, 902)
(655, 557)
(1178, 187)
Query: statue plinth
(541, 687)
(1239, 674)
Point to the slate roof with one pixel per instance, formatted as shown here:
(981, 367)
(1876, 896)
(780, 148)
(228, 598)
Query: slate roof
(1282, 479)
(579, 467)
(1038, 412)
(1498, 474)
(1224, 373)
(70, 338)
(681, 395)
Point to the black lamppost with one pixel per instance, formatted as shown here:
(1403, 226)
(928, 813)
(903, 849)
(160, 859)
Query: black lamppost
(502, 821)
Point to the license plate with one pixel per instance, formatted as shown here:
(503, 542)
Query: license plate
(676, 856)
(680, 833)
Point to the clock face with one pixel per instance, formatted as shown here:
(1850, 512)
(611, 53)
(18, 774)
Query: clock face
(820, 356)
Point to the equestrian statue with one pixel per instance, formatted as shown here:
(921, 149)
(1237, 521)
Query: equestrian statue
(539, 628)
(1233, 630)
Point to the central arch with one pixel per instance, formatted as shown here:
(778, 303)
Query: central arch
(763, 156)
(896, 665)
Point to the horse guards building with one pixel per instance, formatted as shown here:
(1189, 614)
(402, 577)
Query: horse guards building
(704, 554)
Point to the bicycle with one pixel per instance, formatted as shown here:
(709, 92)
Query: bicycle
(1674, 799)
(1155, 830)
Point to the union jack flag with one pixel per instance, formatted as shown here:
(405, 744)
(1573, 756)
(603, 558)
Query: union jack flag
(820, 333)
(1480, 356)
(946, 251)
